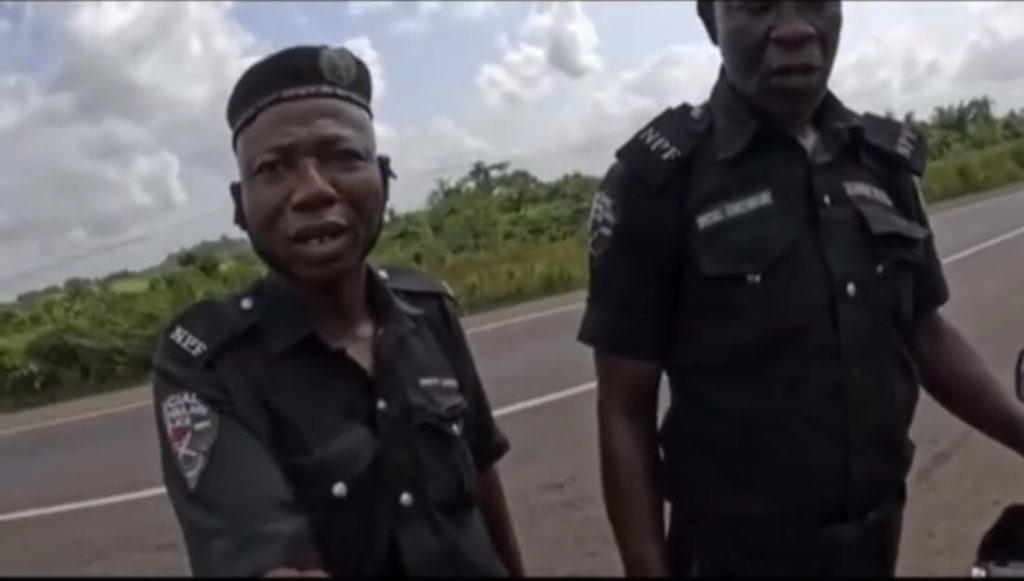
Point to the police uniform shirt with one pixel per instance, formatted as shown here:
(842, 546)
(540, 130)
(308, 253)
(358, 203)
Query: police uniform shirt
(277, 450)
(777, 288)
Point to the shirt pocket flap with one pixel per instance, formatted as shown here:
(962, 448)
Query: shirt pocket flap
(744, 249)
(895, 236)
(882, 221)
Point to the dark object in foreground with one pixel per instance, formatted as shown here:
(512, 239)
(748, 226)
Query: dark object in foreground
(1001, 551)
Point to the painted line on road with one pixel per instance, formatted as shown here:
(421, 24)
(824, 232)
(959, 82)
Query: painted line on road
(73, 506)
(984, 245)
(549, 398)
(159, 490)
(524, 318)
(59, 421)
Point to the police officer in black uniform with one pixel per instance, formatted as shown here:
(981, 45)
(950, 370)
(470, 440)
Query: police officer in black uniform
(769, 251)
(330, 417)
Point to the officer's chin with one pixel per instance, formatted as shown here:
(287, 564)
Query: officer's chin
(326, 274)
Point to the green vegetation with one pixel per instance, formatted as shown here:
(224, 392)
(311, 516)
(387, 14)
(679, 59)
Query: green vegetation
(496, 235)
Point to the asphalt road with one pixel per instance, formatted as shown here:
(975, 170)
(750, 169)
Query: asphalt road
(82, 497)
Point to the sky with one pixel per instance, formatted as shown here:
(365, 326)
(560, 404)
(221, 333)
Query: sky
(114, 149)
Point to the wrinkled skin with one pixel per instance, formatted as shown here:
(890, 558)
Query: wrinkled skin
(779, 54)
(309, 169)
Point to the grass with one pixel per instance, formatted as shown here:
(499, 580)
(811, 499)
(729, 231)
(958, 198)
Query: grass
(130, 285)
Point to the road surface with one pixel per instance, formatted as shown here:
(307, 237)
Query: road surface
(80, 490)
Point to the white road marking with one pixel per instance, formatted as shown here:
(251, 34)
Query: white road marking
(545, 399)
(72, 506)
(159, 490)
(59, 421)
(987, 244)
(524, 318)
(501, 412)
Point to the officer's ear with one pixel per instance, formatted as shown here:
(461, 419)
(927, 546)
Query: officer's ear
(386, 174)
(236, 198)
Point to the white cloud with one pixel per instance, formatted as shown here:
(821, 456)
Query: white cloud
(570, 36)
(420, 19)
(520, 77)
(913, 66)
(992, 56)
(129, 132)
(472, 10)
(555, 37)
(360, 7)
(363, 48)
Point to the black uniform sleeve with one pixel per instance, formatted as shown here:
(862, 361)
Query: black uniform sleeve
(486, 441)
(931, 290)
(234, 507)
(633, 268)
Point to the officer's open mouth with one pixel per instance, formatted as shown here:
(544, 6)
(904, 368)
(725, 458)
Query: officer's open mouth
(319, 234)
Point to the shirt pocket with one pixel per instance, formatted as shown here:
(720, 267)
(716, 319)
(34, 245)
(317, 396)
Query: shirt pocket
(337, 472)
(443, 456)
(736, 293)
(898, 246)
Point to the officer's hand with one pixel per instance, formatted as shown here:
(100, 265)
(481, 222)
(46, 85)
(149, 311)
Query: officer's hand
(287, 572)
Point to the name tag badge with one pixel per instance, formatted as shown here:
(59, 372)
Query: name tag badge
(867, 191)
(735, 209)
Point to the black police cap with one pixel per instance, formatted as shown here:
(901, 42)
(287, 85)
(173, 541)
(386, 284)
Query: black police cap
(298, 72)
(706, 11)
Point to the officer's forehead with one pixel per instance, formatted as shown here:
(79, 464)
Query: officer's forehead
(307, 118)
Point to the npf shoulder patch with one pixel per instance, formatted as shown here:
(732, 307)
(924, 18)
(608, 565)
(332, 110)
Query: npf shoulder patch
(900, 142)
(602, 222)
(657, 150)
(191, 427)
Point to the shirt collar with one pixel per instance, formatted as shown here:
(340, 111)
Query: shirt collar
(736, 123)
(285, 319)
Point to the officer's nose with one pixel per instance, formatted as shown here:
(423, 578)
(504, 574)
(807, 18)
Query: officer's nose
(312, 190)
(792, 30)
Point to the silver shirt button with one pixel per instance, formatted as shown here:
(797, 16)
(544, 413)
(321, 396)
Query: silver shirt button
(753, 278)
(880, 268)
(827, 200)
(456, 430)
(851, 289)
(339, 490)
(245, 303)
(405, 499)
(382, 406)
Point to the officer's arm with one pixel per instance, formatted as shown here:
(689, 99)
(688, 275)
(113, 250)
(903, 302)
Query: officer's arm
(487, 445)
(956, 376)
(951, 369)
(627, 404)
(627, 321)
(236, 512)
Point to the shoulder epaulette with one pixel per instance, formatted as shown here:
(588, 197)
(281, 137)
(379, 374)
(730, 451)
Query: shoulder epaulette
(199, 332)
(900, 142)
(414, 281)
(656, 152)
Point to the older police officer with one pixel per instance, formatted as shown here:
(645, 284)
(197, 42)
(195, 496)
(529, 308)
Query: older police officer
(770, 251)
(330, 417)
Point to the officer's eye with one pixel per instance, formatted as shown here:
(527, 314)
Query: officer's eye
(269, 168)
(345, 155)
(756, 6)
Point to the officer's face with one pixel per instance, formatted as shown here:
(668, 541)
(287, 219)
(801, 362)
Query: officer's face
(779, 54)
(312, 192)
